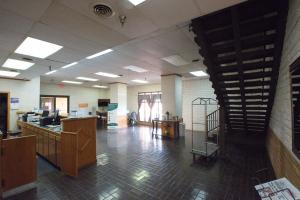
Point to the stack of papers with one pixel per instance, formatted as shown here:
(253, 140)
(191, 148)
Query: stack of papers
(280, 189)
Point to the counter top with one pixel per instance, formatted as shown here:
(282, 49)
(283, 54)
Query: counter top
(56, 129)
(79, 117)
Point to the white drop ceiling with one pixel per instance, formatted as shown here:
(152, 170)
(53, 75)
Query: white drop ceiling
(153, 30)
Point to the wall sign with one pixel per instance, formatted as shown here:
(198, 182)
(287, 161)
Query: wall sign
(14, 103)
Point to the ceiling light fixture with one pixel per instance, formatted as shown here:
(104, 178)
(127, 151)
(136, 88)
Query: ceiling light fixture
(99, 54)
(8, 73)
(17, 64)
(136, 2)
(175, 60)
(139, 81)
(70, 65)
(86, 78)
(107, 74)
(51, 72)
(199, 73)
(72, 82)
(100, 86)
(37, 48)
(135, 69)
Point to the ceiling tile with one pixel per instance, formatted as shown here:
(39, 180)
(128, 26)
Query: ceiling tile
(67, 20)
(167, 13)
(12, 22)
(32, 9)
(136, 23)
(209, 6)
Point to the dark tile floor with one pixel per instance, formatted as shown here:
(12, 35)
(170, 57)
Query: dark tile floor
(132, 165)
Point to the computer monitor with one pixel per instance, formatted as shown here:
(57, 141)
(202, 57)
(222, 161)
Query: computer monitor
(45, 113)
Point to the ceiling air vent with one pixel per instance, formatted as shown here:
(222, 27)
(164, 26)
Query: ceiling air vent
(103, 10)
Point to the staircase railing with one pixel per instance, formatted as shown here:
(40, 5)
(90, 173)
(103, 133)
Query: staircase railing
(213, 121)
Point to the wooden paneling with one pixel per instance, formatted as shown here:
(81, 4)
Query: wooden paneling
(170, 129)
(45, 144)
(86, 129)
(18, 161)
(58, 151)
(52, 149)
(284, 163)
(45, 140)
(69, 149)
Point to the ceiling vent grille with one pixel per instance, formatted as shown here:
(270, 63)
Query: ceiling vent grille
(103, 10)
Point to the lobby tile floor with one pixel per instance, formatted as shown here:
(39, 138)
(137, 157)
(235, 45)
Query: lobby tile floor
(133, 165)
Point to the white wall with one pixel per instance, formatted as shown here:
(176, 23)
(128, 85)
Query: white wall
(171, 98)
(77, 94)
(281, 121)
(191, 89)
(27, 91)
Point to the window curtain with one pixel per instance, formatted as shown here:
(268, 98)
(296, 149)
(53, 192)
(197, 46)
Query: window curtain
(152, 99)
(140, 100)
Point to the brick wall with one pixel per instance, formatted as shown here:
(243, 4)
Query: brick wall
(281, 118)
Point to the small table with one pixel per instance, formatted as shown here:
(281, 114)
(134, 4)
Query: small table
(169, 128)
(278, 189)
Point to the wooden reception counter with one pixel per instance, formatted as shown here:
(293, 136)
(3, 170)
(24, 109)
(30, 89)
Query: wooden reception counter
(70, 147)
(17, 162)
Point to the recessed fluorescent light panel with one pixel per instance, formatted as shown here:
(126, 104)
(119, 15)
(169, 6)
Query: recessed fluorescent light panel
(70, 65)
(107, 74)
(100, 86)
(139, 81)
(199, 73)
(135, 69)
(175, 60)
(99, 54)
(51, 72)
(72, 82)
(17, 64)
(86, 78)
(136, 2)
(37, 48)
(8, 73)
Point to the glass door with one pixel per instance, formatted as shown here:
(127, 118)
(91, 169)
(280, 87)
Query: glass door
(47, 103)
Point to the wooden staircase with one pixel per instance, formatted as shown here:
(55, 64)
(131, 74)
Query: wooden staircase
(241, 46)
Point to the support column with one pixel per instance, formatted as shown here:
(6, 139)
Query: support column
(171, 88)
(118, 94)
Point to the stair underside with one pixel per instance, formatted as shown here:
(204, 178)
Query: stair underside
(241, 47)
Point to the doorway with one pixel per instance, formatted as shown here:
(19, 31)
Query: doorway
(4, 112)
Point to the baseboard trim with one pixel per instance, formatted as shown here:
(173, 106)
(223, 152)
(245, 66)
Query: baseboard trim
(19, 190)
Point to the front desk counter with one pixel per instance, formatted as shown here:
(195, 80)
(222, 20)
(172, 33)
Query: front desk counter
(70, 146)
(17, 162)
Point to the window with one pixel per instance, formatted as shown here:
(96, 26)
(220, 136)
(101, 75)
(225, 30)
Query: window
(144, 111)
(295, 89)
(54, 102)
(156, 111)
(150, 106)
